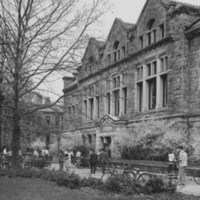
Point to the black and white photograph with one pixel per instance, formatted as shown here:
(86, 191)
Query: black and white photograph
(99, 99)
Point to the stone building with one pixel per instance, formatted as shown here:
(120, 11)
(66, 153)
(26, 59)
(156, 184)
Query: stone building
(45, 123)
(147, 69)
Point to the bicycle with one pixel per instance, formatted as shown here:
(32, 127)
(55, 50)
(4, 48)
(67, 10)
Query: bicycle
(126, 173)
(142, 177)
(196, 176)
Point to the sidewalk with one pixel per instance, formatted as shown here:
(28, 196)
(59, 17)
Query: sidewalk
(191, 188)
(83, 173)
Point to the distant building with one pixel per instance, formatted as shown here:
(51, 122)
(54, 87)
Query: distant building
(44, 123)
(147, 69)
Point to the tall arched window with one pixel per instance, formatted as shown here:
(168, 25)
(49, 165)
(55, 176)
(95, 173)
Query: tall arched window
(116, 51)
(90, 67)
(151, 31)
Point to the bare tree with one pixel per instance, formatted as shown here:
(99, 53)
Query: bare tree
(39, 38)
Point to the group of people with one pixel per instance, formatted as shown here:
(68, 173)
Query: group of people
(44, 153)
(100, 159)
(178, 161)
(66, 159)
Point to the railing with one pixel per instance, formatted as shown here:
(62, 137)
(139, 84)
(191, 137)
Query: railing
(153, 166)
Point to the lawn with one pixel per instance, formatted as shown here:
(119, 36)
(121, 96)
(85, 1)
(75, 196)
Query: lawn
(37, 189)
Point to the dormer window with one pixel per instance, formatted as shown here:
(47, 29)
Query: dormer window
(116, 51)
(90, 69)
(91, 62)
(91, 59)
(162, 31)
(151, 33)
(141, 42)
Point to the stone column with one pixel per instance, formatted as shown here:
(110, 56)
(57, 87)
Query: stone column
(158, 85)
(88, 110)
(145, 89)
(98, 143)
(136, 93)
(121, 97)
(112, 108)
(95, 108)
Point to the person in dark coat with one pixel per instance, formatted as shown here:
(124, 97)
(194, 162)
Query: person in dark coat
(103, 160)
(93, 161)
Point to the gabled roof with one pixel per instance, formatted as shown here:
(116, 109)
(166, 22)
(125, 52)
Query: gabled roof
(179, 3)
(111, 119)
(166, 4)
(163, 2)
(126, 26)
(93, 41)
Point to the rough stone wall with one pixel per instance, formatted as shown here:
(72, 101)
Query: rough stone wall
(179, 79)
(194, 75)
(184, 62)
(118, 33)
(154, 10)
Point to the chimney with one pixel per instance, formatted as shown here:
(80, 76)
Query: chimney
(68, 80)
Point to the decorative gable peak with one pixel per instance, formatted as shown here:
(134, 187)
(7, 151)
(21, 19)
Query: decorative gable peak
(93, 50)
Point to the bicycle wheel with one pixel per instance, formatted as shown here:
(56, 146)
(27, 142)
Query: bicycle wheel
(130, 174)
(144, 178)
(98, 169)
(105, 176)
(196, 179)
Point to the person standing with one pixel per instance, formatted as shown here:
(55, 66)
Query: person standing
(182, 166)
(103, 160)
(71, 155)
(66, 158)
(93, 162)
(172, 162)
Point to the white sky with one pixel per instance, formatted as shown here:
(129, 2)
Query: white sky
(128, 11)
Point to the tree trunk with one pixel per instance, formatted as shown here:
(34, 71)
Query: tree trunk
(16, 133)
(1, 123)
(15, 162)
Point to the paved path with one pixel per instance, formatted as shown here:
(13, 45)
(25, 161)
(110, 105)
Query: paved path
(190, 188)
(84, 173)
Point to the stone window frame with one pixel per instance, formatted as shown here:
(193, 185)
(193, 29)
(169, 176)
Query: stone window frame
(164, 79)
(115, 93)
(90, 64)
(91, 108)
(116, 82)
(160, 85)
(125, 99)
(116, 100)
(97, 99)
(125, 79)
(48, 119)
(108, 103)
(151, 32)
(141, 39)
(116, 51)
(85, 109)
(162, 30)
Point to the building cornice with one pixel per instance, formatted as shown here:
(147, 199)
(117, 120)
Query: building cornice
(70, 88)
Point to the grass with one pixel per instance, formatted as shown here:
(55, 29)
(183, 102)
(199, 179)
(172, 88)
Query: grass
(37, 189)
